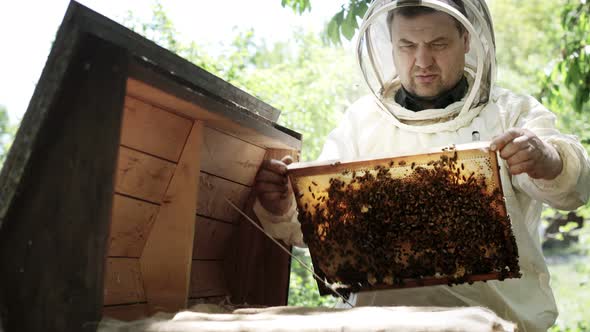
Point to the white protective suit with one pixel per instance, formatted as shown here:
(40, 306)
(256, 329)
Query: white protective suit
(376, 126)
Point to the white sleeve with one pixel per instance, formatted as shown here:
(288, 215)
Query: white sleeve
(340, 145)
(571, 188)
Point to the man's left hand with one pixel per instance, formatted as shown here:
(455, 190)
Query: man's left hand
(525, 152)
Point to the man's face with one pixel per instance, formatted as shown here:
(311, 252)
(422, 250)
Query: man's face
(429, 53)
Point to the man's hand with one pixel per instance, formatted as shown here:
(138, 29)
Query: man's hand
(272, 185)
(526, 153)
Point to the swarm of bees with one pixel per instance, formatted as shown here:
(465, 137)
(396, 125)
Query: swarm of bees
(377, 231)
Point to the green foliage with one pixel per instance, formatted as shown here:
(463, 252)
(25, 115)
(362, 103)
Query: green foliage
(159, 29)
(6, 134)
(527, 38)
(570, 282)
(344, 22)
(580, 327)
(311, 83)
(572, 69)
(303, 289)
(299, 6)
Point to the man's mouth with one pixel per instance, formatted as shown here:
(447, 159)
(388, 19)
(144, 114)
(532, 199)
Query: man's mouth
(426, 78)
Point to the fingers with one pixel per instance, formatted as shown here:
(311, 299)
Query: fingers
(524, 167)
(275, 166)
(272, 171)
(287, 160)
(271, 183)
(520, 157)
(501, 141)
(520, 143)
(271, 177)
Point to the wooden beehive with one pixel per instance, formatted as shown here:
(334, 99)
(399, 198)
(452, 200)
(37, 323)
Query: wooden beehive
(113, 194)
(437, 217)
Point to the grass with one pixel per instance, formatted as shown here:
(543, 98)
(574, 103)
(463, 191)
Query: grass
(570, 280)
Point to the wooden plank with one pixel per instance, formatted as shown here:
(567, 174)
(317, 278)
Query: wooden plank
(40, 106)
(149, 129)
(54, 237)
(127, 312)
(130, 226)
(229, 157)
(233, 120)
(142, 176)
(212, 238)
(167, 255)
(208, 279)
(123, 282)
(212, 194)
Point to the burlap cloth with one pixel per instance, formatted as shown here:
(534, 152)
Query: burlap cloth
(214, 318)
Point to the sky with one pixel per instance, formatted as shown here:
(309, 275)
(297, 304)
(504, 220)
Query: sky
(27, 29)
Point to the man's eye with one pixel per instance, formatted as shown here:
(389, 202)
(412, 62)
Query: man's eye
(439, 45)
(407, 46)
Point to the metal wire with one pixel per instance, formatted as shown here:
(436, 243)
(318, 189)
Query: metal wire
(288, 252)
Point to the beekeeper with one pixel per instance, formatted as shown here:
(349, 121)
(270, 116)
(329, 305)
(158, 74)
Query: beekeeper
(431, 68)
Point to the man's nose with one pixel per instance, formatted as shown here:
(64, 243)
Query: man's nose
(424, 57)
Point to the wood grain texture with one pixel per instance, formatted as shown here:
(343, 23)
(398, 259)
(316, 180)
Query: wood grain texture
(131, 223)
(208, 279)
(212, 194)
(237, 122)
(229, 157)
(166, 258)
(142, 176)
(54, 237)
(212, 238)
(149, 129)
(123, 282)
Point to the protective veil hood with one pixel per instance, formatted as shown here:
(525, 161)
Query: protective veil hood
(375, 57)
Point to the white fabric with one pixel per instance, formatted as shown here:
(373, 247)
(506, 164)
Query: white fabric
(299, 319)
(368, 131)
(376, 126)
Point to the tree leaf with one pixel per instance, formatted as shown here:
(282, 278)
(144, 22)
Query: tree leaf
(349, 25)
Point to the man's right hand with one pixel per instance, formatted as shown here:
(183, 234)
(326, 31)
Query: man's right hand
(272, 186)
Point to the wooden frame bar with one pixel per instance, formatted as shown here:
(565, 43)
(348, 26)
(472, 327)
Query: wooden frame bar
(52, 246)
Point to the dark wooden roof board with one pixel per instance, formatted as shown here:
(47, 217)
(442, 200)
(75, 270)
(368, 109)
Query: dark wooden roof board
(57, 184)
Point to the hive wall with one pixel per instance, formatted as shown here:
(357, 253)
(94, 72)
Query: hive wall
(169, 152)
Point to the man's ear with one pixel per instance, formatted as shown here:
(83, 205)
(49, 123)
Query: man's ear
(467, 41)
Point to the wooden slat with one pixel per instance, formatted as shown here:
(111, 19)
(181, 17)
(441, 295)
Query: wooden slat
(229, 157)
(130, 226)
(208, 279)
(127, 312)
(149, 129)
(241, 126)
(166, 258)
(212, 238)
(212, 194)
(142, 176)
(123, 282)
